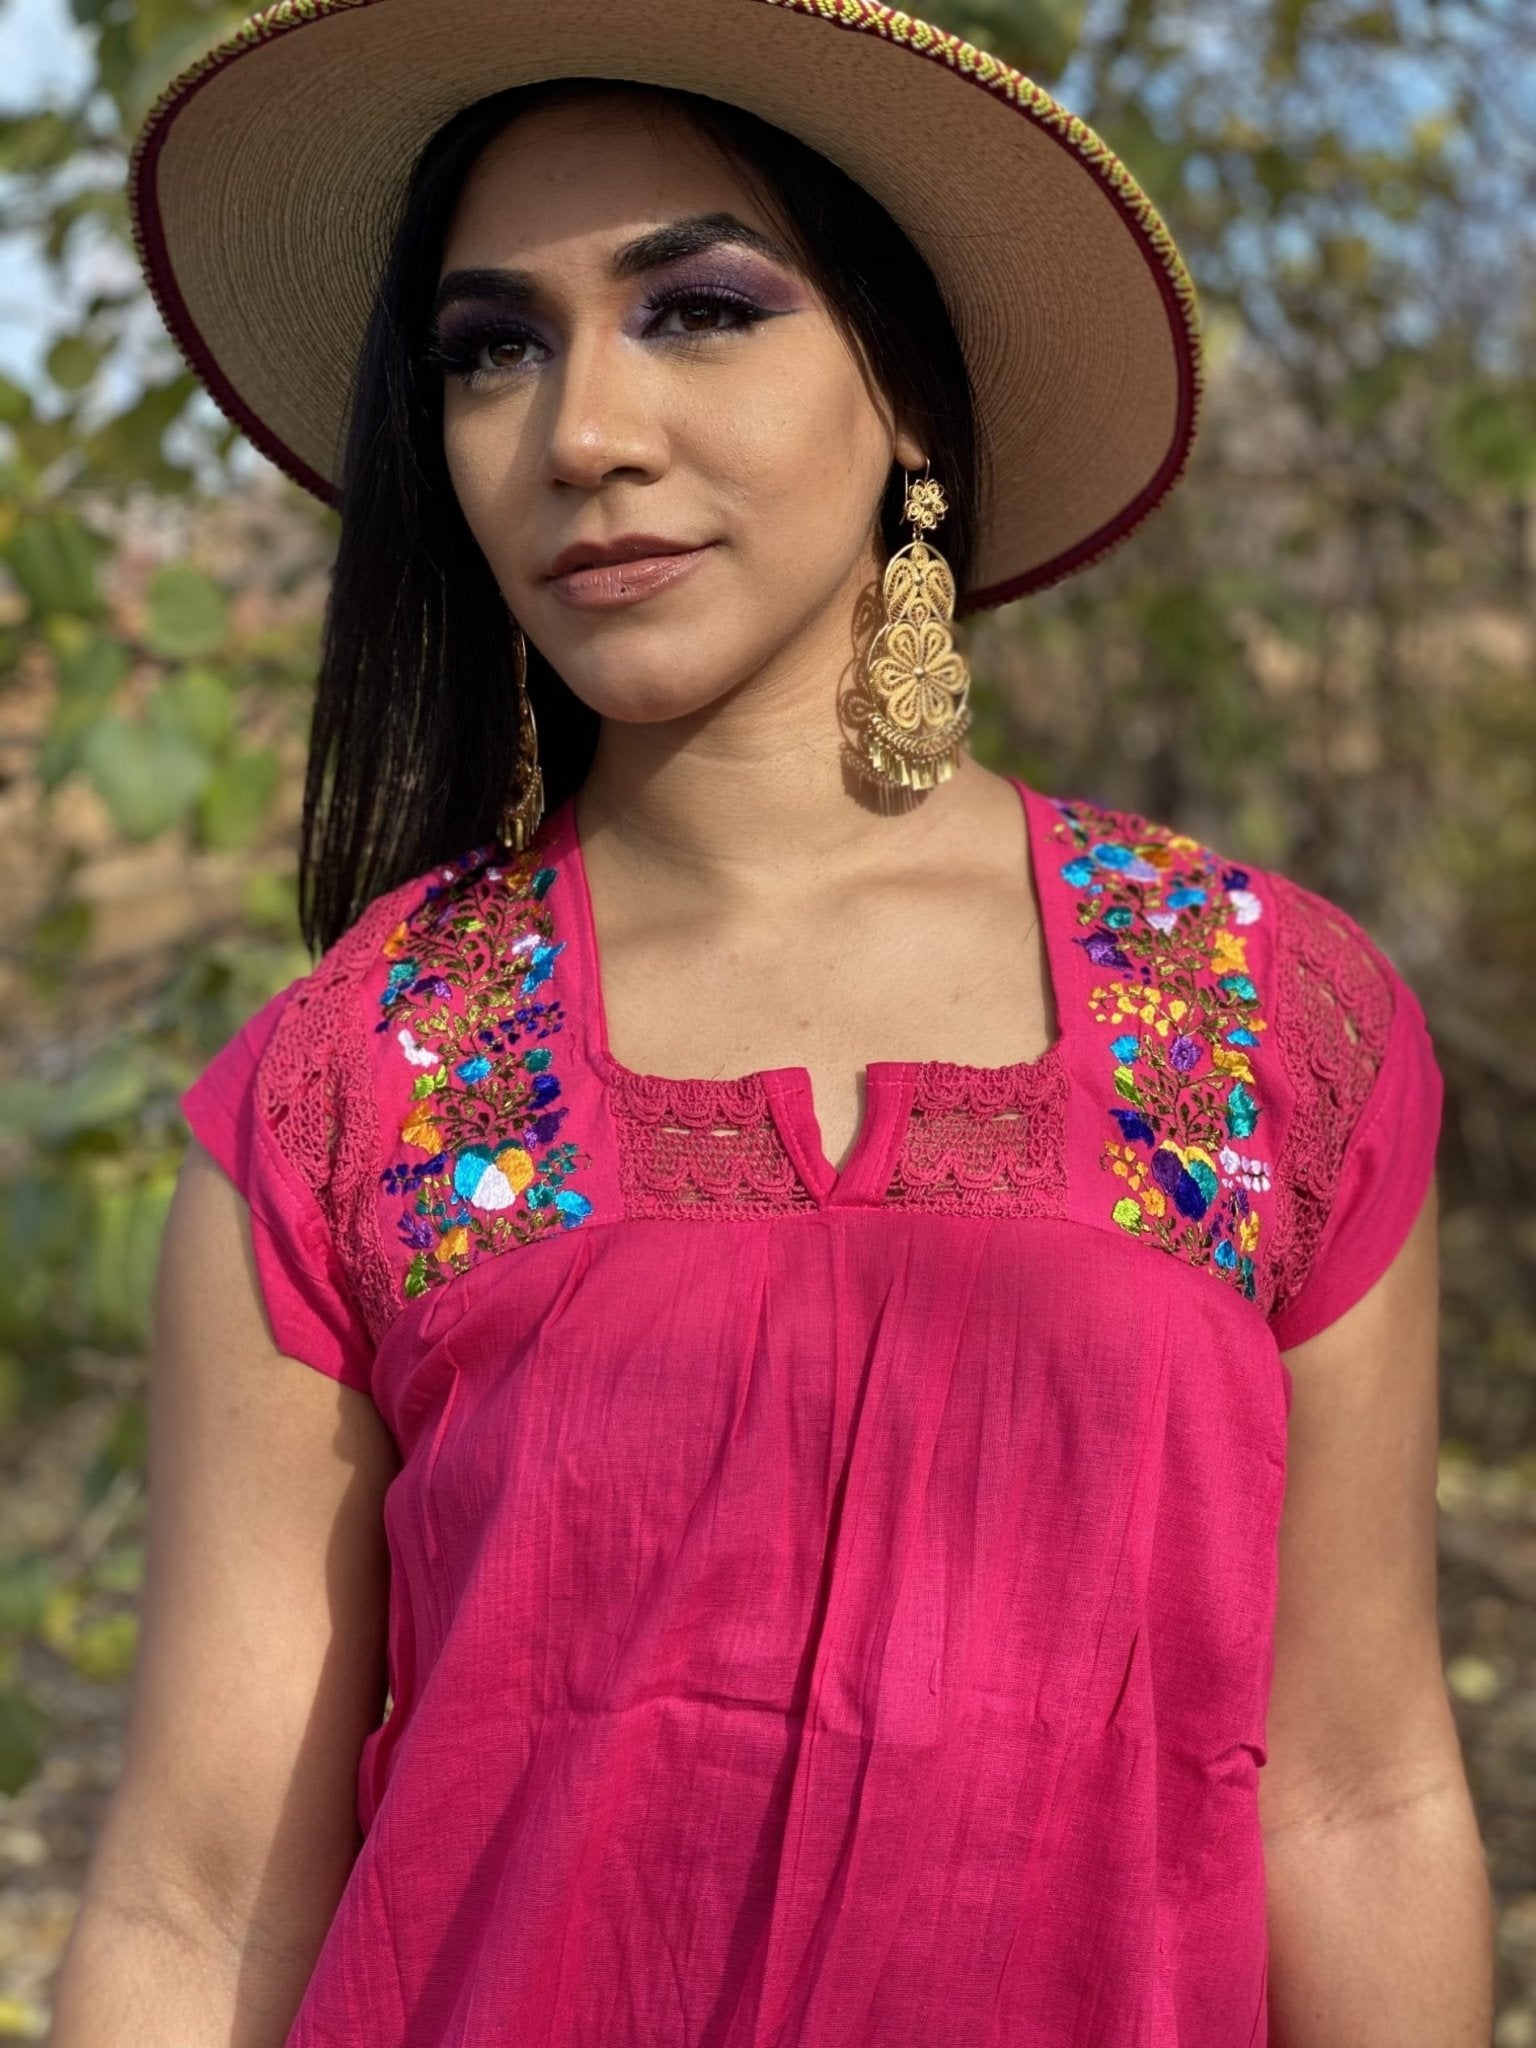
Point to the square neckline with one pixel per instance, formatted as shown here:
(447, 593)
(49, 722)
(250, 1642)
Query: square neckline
(788, 1088)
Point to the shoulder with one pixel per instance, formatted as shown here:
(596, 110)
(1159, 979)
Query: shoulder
(1262, 1041)
(1195, 900)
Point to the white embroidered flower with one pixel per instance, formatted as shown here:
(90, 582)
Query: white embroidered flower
(416, 1054)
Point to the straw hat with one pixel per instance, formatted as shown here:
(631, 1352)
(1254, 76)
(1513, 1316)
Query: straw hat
(266, 180)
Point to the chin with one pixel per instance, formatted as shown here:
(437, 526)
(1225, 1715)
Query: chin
(645, 690)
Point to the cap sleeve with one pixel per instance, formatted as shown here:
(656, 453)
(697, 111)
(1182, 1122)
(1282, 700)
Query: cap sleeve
(1360, 1152)
(304, 1285)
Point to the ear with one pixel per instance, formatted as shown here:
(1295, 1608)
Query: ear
(909, 451)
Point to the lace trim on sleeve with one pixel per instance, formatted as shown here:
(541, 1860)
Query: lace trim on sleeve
(1333, 1019)
(315, 1091)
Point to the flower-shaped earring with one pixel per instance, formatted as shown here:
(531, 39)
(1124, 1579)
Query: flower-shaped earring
(916, 714)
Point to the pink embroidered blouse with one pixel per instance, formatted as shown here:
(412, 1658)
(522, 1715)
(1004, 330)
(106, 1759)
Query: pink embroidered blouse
(828, 1608)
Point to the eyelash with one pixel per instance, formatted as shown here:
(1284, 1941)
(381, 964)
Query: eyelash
(458, 355)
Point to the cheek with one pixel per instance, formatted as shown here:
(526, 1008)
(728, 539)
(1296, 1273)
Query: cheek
(481, 457)
(803, 460)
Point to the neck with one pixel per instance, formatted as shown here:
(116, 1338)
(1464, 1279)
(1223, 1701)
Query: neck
(752, 791)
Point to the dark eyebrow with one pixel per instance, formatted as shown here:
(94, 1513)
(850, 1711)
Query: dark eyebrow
(687, 237)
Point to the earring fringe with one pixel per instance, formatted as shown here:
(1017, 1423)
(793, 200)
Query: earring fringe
(524, 810)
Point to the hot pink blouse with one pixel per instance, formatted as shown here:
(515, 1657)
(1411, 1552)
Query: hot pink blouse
(828, 1608)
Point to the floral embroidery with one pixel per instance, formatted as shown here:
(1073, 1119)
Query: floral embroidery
(464, 1004)
(1164, 918)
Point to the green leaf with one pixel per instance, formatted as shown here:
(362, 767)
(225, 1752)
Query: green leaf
(26, 1581)
(73, 362)
(234, 806)
(196, 704)
(188, 614)
(116, 1277)
(15, 403)
(52, 557)
(23, 1725)
(124, 1445)
(104, 1650)
(109, 1090)
(148, 779)
(91, 665)
(30, 143)
(1488, 437)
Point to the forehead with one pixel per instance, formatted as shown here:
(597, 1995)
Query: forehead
(593, 172)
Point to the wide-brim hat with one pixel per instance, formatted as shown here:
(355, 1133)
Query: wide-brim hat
(267, 179)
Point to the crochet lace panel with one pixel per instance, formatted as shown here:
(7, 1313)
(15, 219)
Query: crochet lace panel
(1333, 1017)
(692, 1146)
(316, 1093)
(987, 1141)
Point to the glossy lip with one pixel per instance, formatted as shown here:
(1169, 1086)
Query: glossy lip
(605, 586)
(624, 547)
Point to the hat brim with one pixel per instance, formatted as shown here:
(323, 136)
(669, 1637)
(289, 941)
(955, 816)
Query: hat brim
(266, 180)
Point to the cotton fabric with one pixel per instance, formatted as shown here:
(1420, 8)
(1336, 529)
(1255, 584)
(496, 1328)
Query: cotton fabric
(826, 1608)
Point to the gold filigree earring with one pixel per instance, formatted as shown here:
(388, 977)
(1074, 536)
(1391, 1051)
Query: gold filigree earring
(915, 713)
(524, 809)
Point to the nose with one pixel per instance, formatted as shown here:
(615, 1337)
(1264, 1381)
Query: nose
(605, 418)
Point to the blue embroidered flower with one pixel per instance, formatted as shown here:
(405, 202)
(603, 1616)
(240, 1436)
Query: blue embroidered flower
(462, 967)
(1165, 921)
(1134, 1128)
(541, 965)
(1242, 1112)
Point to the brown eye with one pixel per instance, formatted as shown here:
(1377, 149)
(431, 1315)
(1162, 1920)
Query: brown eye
(705, 312)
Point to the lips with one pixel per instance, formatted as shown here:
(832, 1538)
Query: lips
(628, 547)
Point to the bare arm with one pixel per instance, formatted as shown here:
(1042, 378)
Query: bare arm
(1380, 1915)
(260, 1668)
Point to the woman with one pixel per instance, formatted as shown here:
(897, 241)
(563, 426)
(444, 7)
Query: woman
(816, 1262)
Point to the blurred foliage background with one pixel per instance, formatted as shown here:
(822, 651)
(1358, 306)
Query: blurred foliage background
(1320, 656)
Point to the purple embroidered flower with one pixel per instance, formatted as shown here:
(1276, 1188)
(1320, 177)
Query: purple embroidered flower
(432, 985)
(416, 1232)
(1177, 1182)
(1103, 952)
(543, 1129)
(1184, 1053)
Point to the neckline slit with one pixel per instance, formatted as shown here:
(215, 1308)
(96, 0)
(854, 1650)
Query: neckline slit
(787, 1087)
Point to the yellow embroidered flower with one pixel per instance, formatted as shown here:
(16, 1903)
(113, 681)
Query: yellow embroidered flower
(1248, 1232)
(1229, 955)
(1127, 1214)
(1156, 1201)
(517, 1165)
(453, 1244)
(1231, 1059)
(420, 1129)
(396, 943)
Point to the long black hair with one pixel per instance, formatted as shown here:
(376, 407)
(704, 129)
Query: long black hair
(414, 736)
